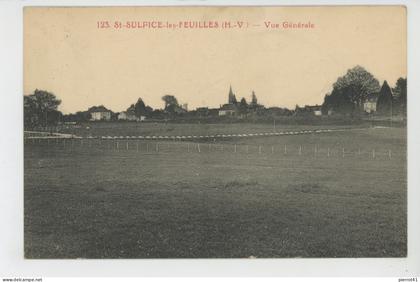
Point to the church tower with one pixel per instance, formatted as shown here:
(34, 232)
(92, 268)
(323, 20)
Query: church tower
(232, 97)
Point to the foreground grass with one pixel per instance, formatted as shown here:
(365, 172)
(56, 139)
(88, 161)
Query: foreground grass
(97, 202)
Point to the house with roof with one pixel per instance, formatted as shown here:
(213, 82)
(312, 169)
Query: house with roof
(231, 108)
(129, 116)
(370, 103)
(309, 110)
(228, 110)
(99, 113)
(316, 110)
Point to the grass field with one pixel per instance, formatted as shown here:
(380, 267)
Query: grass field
(166, 200)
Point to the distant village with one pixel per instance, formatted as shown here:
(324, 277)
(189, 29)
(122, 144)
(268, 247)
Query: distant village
(356, 94)
(232, 109)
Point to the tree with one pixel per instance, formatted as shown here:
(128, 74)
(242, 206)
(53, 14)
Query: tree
(31, 118)
(400, 94)
(140, 108)
(327, 104)
(149, 111)
(385, 99)
(131, 108)
(243, 106)
(171, 103)
(53, 117)
(40, 108)
(339, 101)
(77, 117)
(351, 90)
(359, 84)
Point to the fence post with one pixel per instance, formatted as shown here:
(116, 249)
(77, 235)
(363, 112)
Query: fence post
(343, 153)
(373, 153)
(247, 149)
(285, 149)
(188, 147)
(127, 145)
(147, 147)
(198, 147)
(389, 154)
(235, 148)
(328, 152)
(259, 150)
(118, 145)
(272, 149)
(300, 150)
(157, 147)
(137, 145)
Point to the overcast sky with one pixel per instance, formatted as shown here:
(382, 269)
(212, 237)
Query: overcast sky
(65, 53)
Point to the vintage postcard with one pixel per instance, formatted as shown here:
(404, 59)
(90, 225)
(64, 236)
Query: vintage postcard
(215, 132)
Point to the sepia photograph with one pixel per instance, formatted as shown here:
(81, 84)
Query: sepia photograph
(215, 132)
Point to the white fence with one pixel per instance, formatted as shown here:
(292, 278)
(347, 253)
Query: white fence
(188, 137)
(168, 146)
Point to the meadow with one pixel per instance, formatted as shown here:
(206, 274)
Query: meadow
(272, 196)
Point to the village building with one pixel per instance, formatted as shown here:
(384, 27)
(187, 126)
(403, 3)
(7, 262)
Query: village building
(185, 107)
(369, 105)
(231, 108)
(129, 115)
(228, 110)
(311, 110)
(99, 113)
(315, 110)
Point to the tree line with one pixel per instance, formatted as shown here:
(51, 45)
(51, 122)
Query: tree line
(351, 91)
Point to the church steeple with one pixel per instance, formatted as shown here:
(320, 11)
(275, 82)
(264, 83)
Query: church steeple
(254, 100)
(232, 98)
